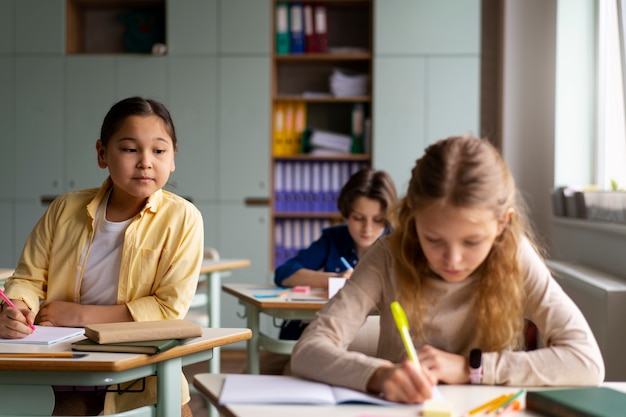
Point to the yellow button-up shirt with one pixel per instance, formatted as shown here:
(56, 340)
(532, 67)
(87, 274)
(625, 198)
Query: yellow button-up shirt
(161, 256)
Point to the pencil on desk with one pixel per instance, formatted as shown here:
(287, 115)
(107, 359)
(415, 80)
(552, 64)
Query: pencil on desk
(485, 406)
(512, 398)
(37, 355)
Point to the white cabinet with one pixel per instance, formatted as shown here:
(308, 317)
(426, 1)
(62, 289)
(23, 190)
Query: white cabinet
(427, 27)
(192, 91)
(7, 121)
(245, 25)
(86, 104)
(244, 118)
(192, 27)
(39, 26)
(7, 26)
(39, 126)
(427, 78)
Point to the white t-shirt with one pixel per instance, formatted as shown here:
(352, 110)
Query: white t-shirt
(102, 268)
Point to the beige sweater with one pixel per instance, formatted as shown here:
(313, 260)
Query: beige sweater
(571, 355)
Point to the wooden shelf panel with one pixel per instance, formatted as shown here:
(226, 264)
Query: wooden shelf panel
(329, 99)
(307, 215)
(95, 26)
(306, 157)
(309, 57)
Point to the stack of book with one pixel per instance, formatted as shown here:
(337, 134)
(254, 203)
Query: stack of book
(136, 336)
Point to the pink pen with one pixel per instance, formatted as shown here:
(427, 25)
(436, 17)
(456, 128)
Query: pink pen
(10, 304)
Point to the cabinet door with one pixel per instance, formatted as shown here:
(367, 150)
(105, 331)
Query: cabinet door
(7, 26)
(244, 25)
(7, 121)
(453, 96)
(39, 126)
(192, 27)
(399, 111)
(89, 96)
(243, 233)
(39, 26)
(427, 26)
(244, 118)
(144, 76)
(193, 105)
(8, 257)
(210, 213)
(27, 214)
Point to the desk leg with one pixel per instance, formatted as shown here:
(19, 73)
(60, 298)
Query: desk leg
(215, 306)
(253, 344)
(169, 380)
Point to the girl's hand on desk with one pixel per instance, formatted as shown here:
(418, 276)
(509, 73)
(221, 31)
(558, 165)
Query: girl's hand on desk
(447, 367)
(60, 313)
(403, 383)
(14, 323)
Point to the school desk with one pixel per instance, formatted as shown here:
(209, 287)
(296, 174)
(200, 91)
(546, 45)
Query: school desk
(4, 274)
(25, 384)
(274, 302)
(462, 397)
(212, 271)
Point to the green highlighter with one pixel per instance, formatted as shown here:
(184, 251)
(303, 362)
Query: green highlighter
(403, 327)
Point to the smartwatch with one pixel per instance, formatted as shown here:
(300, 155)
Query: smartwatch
(476, 366)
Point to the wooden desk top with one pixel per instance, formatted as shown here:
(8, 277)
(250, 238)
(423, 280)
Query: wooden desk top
(213, 265)
(288, 300)
(114, 362)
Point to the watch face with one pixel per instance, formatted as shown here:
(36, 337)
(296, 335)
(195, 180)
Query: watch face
(475, 358)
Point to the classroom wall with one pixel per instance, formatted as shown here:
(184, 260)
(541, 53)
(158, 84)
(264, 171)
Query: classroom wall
(215, 79)
(529, 102)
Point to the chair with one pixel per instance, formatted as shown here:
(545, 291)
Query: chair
(199, 305)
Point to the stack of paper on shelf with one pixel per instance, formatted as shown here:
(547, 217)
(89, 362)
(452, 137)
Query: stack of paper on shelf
(344, 83)
(324, 142)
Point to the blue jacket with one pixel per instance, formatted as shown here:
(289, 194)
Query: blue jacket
(324, 254)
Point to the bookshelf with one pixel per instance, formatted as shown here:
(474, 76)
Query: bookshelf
(114, 26)
(321, 82)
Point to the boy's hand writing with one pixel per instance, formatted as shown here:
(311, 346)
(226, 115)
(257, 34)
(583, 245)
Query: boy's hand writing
(447, 367)
(15, 323)
(403, 383)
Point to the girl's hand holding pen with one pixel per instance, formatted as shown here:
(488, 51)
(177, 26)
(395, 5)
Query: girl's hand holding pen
(16, 322)
(405, 382)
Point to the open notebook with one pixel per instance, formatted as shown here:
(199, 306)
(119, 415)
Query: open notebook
(47, 335)
(279, 389)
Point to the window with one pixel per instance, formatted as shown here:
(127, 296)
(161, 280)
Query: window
(590, 137)
(611, 125)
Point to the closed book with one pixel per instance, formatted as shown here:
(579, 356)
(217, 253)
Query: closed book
(148, 346)
(137, 331)
(577, 402)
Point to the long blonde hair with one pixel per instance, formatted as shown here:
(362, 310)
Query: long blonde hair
(465, 172)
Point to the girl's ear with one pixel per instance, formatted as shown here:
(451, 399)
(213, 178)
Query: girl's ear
(505, 220)
(101, 153)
